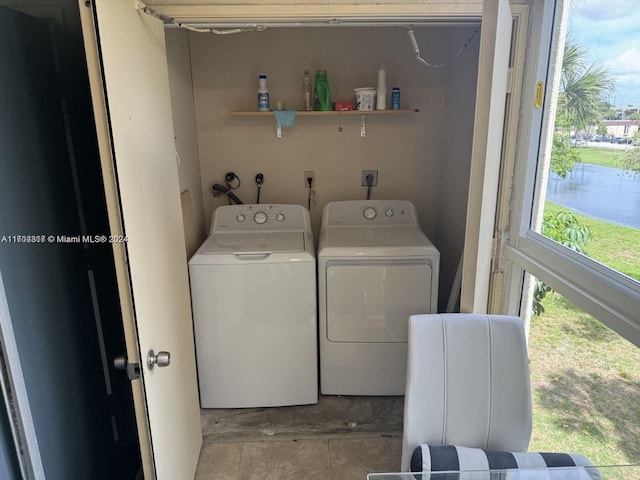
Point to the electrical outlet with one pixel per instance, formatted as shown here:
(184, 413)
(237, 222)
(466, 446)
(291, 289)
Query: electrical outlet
(309, 174)
(373, 173)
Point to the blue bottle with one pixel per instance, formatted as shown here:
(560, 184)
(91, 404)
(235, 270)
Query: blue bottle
(395, 99)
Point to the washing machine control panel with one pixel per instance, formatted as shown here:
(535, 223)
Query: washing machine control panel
(230, 218)
(370, 212)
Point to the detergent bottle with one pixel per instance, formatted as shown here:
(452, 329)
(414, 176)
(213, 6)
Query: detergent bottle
(322, 94)
(263, 94)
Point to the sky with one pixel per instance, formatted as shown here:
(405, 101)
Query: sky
(610, 30)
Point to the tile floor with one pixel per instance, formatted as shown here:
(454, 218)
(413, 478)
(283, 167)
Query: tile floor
(340, 438)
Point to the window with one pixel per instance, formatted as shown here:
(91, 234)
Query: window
(602, 284)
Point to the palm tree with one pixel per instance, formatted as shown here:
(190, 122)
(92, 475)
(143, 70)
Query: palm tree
(583, 87)
(583, 90)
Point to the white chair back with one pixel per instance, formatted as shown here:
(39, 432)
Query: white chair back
(467, 383)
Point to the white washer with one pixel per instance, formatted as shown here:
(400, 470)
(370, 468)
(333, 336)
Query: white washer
(375, 269)
(253, 289)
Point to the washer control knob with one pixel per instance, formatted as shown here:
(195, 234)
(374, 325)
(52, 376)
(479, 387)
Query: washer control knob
(370, 213)
(280, 217)
(389, 212)
(260, 218)
(240, 218)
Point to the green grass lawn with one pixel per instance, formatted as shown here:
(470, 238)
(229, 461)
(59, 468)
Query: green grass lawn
(613, 245)
(600, 156)
(585, 378)
(585, 384)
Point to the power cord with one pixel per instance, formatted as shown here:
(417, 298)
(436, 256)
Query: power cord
(416, 49)
(311, 192)
(369, 179)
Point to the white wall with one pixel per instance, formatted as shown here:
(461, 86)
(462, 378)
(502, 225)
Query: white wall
(182, 106)
(422, 157)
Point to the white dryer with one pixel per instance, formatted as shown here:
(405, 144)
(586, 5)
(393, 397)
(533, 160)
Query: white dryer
(375, 269)
(253, 289)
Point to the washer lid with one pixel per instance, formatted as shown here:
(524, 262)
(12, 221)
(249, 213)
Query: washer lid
(268, 242)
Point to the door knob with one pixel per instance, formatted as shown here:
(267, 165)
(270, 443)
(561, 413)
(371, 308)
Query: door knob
(162, 359)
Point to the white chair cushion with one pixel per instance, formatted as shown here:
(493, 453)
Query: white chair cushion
(467, 383)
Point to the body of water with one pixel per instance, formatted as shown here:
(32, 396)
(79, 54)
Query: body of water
(605, 193)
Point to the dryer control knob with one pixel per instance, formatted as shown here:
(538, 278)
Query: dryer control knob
(370, 213)
(260, 218)
(389, 212)
(240, 218)
(280, 217)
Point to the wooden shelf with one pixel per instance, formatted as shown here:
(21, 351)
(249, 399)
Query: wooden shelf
(351, 113)
(303, 113)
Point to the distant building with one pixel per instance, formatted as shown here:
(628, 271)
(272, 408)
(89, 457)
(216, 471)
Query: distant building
(623, 112)
(621, 128)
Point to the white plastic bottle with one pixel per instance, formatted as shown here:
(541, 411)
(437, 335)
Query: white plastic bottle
(381, 91)
(263, 94)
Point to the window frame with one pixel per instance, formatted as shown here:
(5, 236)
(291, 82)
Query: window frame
(606, 294)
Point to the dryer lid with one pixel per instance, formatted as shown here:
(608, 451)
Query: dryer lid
(362, 237)
(267, 242)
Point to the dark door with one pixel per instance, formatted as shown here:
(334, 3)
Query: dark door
(60, 289)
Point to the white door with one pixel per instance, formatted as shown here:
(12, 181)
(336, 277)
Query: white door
(495, 47)
(141, 180)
